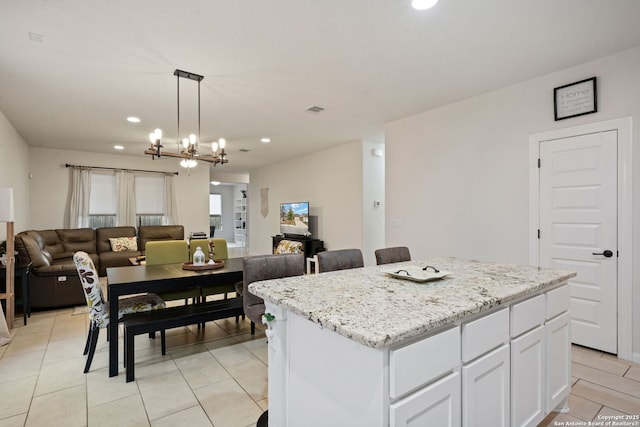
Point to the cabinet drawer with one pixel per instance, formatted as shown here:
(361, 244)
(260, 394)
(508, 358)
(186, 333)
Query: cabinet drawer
(558, 301)
(485, 334)
(527, 315)
(416, 364)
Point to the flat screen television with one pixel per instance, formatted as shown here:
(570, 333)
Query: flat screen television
(294, 218)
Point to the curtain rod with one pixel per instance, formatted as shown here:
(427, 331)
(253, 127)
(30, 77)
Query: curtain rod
(119, 169)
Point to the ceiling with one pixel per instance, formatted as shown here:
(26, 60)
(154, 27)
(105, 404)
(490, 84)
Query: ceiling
(72, 71)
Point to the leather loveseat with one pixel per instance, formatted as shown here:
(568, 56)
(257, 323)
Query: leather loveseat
(53, 278)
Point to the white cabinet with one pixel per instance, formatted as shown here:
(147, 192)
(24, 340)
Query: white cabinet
(540, 358)
(435, 405)
(558, 342)
(527, 376)
(485, 390)
(509, 367)
(240, 221)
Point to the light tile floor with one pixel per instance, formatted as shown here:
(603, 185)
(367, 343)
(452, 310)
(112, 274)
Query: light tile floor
(212, 377)
(602, 385)
(216, 377)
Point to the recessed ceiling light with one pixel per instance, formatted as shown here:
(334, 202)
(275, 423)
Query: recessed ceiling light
(423, 4)
(215, 182)
(265, 140)
(133, 119)
(118, 147)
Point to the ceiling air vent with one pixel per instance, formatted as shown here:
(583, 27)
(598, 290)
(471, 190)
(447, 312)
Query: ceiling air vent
(244, 150)
(314, 109)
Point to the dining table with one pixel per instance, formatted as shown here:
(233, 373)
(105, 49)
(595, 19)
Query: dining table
(138, 279)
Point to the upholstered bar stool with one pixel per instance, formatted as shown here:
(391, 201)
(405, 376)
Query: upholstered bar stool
(341, 259)
(265, 267)
(391, 255)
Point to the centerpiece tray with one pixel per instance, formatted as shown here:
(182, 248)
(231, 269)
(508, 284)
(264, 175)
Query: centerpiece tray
(417, 274)
(190, 266)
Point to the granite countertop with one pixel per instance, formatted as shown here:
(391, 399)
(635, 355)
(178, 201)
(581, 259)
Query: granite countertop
(377, 310)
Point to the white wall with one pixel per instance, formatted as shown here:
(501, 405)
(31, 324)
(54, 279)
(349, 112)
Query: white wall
(330, 180)
(14, 166)
(226, 193)
(372, 191)
(457, 176)
(49, 196)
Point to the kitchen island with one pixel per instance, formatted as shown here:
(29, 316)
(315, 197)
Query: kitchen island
(486, 345)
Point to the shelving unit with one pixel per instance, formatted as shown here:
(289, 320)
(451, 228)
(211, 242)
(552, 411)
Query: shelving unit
(240, 221)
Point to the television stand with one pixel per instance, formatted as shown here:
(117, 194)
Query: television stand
(310, 245)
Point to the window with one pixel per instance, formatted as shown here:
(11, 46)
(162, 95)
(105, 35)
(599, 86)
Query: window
(215, 212)
(149, 199)
(102, 200)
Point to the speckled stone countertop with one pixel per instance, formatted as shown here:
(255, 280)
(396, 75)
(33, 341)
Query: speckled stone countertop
(377, 310)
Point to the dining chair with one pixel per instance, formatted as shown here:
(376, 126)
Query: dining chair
(170, 252)
(341, 259)
(391, 255)
(220, 253)
(98, 309)
(265, 267)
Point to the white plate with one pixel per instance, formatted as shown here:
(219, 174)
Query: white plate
(417, 274)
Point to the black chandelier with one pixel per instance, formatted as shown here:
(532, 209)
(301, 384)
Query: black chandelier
(188, 148)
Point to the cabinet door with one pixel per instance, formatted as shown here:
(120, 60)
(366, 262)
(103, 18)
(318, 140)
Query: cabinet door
(527, 376)
(485, 390)
(435, 405)
(558, 361)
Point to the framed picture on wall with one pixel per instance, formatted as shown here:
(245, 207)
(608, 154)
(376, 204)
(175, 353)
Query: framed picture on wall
(575, 99)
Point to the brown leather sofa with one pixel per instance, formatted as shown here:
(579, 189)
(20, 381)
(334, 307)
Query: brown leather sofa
(53, 278)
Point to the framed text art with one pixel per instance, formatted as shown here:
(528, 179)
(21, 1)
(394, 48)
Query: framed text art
(575, 99)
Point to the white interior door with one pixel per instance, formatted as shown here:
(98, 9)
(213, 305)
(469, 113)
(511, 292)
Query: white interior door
(578, 225)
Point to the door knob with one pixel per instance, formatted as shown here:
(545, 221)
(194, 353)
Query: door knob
(606, 253)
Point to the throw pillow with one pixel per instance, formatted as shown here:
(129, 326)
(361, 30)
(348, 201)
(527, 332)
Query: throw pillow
(121, 244)
(289, 247)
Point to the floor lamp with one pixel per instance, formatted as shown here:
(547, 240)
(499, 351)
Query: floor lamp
(6, 215)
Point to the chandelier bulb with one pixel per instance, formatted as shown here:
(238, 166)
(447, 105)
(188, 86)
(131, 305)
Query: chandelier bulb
(214, 147)
(192, 139)
(185, 142)
(152, 138)
(222, 143)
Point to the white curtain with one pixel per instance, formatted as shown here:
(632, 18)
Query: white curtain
(79, 201)
(170, 216)
(126, 203)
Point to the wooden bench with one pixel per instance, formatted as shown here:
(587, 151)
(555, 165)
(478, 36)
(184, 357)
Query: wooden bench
(173, 317)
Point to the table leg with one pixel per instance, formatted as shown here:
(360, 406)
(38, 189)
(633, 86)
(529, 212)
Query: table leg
(113, 334)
